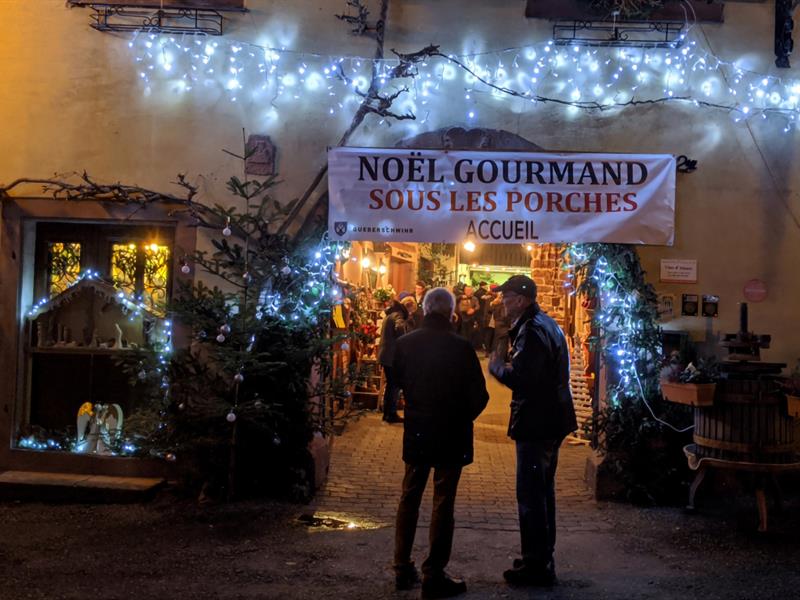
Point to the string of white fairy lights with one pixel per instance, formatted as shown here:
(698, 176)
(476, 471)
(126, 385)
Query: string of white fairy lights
(578, 77)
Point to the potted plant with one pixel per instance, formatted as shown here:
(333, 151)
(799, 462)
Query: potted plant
(693, 386)
(383, 295)
(791, 387)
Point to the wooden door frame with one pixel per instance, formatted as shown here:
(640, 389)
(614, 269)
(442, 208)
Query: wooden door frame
(15, 216)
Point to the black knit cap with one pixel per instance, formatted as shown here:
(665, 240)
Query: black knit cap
(520, 284)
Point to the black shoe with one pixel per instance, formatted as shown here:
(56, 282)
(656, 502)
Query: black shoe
(522, 575)
(518, 563)
(393, 418)
(442, 587)
(405, 577)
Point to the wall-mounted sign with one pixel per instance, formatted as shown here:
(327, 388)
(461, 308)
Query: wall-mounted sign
(260, 158)
(500, 197)
(755, 290)
(710, 305)
(666, 307)
(689, 305)
(678, 270)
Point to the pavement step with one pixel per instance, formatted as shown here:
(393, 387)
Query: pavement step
(72, 487)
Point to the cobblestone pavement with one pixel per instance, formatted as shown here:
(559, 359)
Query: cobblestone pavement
(367, 469)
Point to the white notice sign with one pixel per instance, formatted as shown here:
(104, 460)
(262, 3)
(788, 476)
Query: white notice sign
(488, 197)
(677, 270)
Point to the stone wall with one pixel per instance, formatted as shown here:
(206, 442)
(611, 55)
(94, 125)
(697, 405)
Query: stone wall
(549, 277)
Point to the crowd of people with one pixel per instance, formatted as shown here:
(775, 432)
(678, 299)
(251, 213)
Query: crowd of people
(428, 348)
(479, 317)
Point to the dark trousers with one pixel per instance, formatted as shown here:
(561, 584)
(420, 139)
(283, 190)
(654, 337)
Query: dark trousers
(536, 500)
(488, 339)
(391, 392)
(440, 535)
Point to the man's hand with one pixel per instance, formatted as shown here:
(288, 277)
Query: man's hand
(497, 363)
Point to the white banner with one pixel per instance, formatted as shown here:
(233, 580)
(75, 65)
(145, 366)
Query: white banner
(500, 197)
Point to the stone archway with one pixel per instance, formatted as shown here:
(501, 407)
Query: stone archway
(545, 259)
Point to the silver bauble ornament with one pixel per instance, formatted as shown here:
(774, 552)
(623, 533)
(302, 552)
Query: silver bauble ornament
(220, 338)
(230, 417)
(226, 329)
(226, 232)
(238, 378)
(185, 269)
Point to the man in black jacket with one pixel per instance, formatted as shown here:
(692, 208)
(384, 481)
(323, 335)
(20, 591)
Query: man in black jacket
(542, 414)
(444, 391)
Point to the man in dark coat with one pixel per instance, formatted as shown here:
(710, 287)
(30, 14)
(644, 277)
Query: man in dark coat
(395, 324)
(542, 414)
(445, 392)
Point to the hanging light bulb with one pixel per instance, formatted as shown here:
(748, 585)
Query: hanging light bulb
(469, 246)
(365, 262)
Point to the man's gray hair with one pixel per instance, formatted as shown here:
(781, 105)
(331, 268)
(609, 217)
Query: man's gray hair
(440, 301)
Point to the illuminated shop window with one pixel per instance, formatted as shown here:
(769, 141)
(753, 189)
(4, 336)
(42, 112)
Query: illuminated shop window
(142, 270)
(63, 266)
(123, 267)
(156, 275)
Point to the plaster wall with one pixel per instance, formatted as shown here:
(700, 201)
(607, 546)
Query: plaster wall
(72, 99)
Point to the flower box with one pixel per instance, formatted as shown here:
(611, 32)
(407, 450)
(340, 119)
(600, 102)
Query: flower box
(793, 405)
(690, 394)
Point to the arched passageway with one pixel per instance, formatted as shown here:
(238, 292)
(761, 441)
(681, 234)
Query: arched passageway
(366, 472)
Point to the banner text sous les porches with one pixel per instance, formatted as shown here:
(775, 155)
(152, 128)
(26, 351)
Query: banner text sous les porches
(416, 169)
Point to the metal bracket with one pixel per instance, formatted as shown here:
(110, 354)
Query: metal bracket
(653, 34)
(155, 18)
(684, 164)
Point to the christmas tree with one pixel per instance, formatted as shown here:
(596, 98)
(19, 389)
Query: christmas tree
(237, 407)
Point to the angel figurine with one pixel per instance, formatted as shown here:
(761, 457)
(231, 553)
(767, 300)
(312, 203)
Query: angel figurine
(98, 426)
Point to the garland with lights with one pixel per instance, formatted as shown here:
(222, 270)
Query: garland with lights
(611, 278)
(579, 78)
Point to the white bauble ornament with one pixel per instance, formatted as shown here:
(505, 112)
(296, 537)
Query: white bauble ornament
(287, 270)
(226, 232)
(185, 269)
(238, 378)
(226, 329)
(230, 417)
(220, 338)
